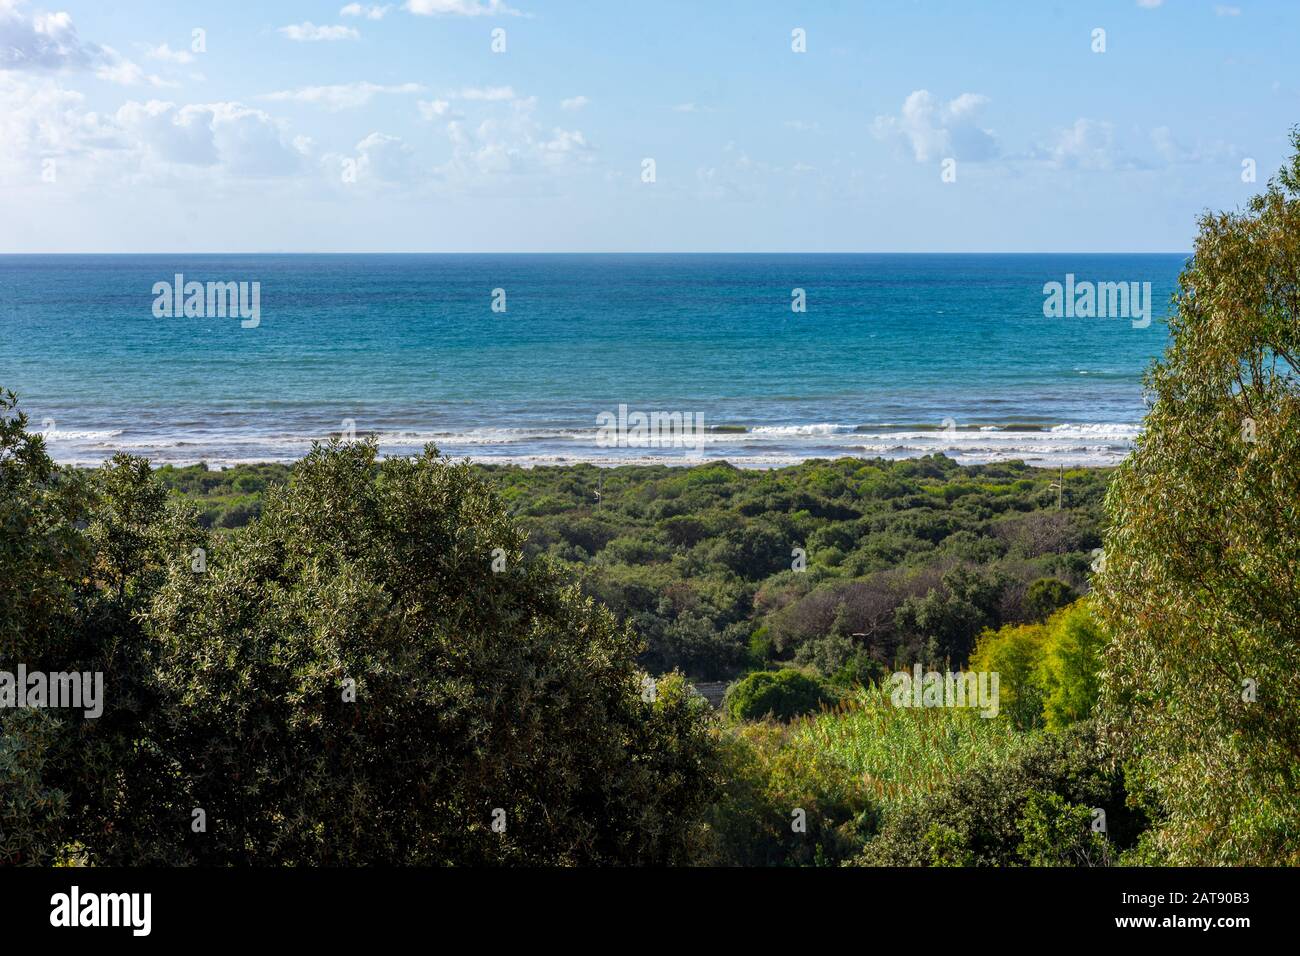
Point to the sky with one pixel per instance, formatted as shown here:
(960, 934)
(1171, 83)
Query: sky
(536, 125)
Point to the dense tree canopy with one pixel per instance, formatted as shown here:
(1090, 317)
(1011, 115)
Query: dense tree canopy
(833, 563)
(1201, 583)
(369, 672)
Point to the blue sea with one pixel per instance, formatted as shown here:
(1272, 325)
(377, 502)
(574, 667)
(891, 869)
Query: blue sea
(895, 356)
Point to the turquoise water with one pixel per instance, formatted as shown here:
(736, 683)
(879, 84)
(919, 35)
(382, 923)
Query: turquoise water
(896, 355)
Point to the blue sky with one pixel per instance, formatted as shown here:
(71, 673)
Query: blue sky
(319, 126)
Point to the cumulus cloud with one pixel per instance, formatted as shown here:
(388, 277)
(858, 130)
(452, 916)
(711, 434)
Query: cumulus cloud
(460, 8)
(308, 32)
(243, 141)
(436, 110)
(340, 96)
(936, 130)
(42, 41)
(511, 146)
(118, 69)
(39, 121)
(574, 103)
(387, 160)
(167, 54)
(485, 93)
(1172, 150)
(38, 41)
(368, 11)
(737, 177)
(1087, 144)
(563, 141)
(141, 141)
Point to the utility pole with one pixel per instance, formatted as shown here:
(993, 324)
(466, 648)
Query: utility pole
(1059, 485)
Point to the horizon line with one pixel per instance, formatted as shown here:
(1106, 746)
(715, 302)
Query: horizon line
(579, 252)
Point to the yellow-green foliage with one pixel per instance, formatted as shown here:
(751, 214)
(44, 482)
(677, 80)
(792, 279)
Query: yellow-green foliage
(903, 753)
(784, 803)
(1071, 667)
(1048, 673)
(1199, 586)
(1015, 652)
(848, 769)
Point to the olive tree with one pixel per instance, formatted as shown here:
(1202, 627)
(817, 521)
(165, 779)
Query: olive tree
(371, 673)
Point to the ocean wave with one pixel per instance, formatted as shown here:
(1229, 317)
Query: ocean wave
(761, 445)
(819, 428)
(66, 434)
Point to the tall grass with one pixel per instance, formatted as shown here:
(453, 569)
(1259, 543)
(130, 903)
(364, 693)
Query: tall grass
(901, 754)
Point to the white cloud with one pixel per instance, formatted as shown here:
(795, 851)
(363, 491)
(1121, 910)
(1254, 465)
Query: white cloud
(1173, 151)
(1225, 11)
(118, 69)
(574, 103)
(310, 33)
(340, 96)
(1087, 144)
(459, 8)
(369, 11)
(564, 141)
(511, 148)
(40, 120)
(49, 42)
(386, 159)
(436, 110)
(935, 130)
(242, 141)
(167, 54)
(737, 177)
(1169, 148)
(42, 41)
(140, 142)
(485, 93)
(1150, 4)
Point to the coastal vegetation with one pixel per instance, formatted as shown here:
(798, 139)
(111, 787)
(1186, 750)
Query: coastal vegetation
(419, 661)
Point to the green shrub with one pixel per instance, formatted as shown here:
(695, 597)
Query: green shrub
(348, 682)
(474, 693)
(1055, 832)
(1015, 652)
(1070, 671)
(783, 695)
(1036, 807)
(1049, 673)
(759, 650)
(1046, 596)
(785, 805)
(31, 811)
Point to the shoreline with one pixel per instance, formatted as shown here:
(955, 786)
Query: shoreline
(762, 447)
(611, 464)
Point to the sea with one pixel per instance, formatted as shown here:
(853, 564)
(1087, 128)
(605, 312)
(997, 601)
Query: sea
(760, 360)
